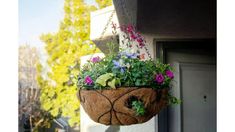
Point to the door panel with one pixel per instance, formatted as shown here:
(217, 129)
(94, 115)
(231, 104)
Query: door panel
(199, 97)
(195, 83)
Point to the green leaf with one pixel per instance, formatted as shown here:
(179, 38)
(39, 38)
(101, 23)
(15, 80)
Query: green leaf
(102, 80)
(118, 82)
(47, 106)
(54, 112)
(138, 107)
(112, 83)
(138, 82)
(173, 100)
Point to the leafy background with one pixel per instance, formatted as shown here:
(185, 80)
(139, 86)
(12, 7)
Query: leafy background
(64, 49)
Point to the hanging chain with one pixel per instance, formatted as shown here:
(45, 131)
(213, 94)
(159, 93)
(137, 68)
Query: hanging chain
(130, 20)
(107, 25)
(105, 29)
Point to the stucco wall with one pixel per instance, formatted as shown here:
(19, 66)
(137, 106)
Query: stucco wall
(99, 20)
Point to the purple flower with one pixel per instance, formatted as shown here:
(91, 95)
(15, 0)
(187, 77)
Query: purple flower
(122, 69)
(88, 80)
(159, 78)
(170, 74)
(118, 65)
(95, 59)
(128, 55)
(131, 55)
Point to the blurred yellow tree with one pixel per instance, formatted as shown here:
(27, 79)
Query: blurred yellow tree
(64, 49)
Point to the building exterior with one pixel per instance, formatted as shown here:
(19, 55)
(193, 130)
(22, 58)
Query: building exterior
(182, 33)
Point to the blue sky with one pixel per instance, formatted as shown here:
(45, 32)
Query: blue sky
(37, 17)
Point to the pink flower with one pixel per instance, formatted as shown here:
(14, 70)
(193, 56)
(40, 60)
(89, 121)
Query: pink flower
(133, 36)
(170, 74)
(129, 29)
(141, 45)
(95, 59)
(140, 40)
(159, 78)
(88, 80)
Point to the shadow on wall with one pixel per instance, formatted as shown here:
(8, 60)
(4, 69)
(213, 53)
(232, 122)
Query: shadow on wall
(109, 129)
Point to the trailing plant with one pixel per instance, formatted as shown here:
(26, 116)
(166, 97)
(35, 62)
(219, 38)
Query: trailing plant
(138, 106)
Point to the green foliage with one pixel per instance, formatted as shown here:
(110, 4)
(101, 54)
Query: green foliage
(173, 100)
(131, 69)
(108, 79)
(138, 106)
(127, 70)
(104, 3)
(64, 49)
(103, 79)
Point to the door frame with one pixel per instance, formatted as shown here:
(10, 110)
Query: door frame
(162, 45)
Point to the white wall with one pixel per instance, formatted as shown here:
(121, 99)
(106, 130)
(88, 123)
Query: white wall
(99, 19)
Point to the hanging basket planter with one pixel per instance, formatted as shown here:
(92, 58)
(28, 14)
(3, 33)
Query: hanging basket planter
(113, 106)
(125, 88)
